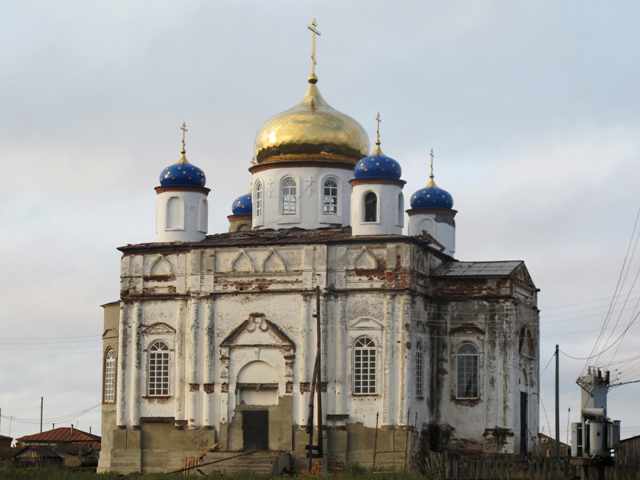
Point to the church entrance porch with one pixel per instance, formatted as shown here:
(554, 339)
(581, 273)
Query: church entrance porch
(255, 429)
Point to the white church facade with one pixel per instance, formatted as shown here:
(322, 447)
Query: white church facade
(213, 341)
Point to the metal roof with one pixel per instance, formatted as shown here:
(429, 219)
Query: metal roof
(477, 269)
(62, 434)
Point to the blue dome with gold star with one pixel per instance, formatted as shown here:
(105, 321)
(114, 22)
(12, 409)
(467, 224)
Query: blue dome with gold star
(242, 205)
(182, 174)
(377, 166)
(431, 196)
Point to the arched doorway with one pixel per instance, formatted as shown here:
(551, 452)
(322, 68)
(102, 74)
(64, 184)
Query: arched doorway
(257, 385)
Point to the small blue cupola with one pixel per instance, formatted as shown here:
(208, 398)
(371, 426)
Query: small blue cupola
(242, 205)
(432, 213)
(241, 214)
(181, 201)
(377, 166)
(377, 202)
(182, 173)
(431, 196)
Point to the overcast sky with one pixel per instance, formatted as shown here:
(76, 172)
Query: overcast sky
(531, 107)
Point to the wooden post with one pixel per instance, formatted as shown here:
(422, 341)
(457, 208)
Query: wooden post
(406, 442)
(375, 443)
(311, 413)
(319, 367)
(557, 450)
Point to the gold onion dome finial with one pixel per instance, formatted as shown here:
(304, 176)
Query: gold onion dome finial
(183, 150)
(312, 130)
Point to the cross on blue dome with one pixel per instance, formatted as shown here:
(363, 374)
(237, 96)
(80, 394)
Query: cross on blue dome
(182, 173)
(242, 205)
(431, 196)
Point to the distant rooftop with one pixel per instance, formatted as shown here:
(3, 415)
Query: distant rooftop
(60, 435)
(477, 269)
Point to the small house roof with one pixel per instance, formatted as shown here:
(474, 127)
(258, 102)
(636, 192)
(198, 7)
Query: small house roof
(60, 435)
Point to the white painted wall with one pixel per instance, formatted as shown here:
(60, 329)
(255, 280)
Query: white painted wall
(441, 231)
(390, 217)
(211, 305)
(181, 216)
(309, 181)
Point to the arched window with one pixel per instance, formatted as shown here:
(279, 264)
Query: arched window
(419, 371)
(203, 216)
(401, 209)
(158, 370)
(525, 343)
(330, 197)
(109, 379)
(364, 366)
(175, 213)
(289, 198)
(370, 207)
(257, 198)
(467, 371)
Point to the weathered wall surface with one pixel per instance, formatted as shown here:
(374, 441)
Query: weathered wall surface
(240, 327)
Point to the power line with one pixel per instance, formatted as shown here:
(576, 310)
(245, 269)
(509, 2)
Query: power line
(616, 289)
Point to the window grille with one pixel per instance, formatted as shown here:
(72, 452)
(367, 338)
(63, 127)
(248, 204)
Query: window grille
(419, 371)
(364, 366)
(258, 198)
(330, 197)
(370, 207)
(467, 372)
(109, 387)
(289, 199)
(158, 382)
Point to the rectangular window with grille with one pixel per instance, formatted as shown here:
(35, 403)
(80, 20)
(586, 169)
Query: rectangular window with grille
(419, 374)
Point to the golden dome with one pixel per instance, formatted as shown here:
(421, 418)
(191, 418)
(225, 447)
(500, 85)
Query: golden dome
(311, 131)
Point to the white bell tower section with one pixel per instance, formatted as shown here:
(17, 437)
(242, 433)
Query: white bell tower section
(181, 201)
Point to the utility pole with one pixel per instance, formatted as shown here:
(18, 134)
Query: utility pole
(315, 451)
(319, 386)
(557, 452)
(41, 410)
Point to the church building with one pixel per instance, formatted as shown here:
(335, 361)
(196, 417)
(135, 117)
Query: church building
(213, 343)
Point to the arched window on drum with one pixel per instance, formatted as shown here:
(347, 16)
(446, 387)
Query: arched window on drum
(330, 197)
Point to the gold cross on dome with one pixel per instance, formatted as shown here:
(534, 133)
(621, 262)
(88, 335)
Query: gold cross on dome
(313, 28)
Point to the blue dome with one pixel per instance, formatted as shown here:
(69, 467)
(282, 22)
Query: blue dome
(182, 174)
(242, 205)
(431, 196)
(378, 166)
